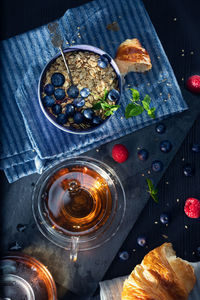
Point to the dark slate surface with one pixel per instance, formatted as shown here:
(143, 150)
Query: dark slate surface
(176, 35)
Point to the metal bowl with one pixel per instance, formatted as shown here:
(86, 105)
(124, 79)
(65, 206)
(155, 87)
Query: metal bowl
(50, 116)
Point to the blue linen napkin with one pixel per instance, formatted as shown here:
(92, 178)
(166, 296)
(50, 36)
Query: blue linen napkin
(29, 140)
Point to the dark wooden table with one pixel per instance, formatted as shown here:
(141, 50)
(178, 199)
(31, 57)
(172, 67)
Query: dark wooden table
(177, 24)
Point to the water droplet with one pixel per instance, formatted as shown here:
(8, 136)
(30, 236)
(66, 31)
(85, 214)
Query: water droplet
(14, 246)
(21, 227)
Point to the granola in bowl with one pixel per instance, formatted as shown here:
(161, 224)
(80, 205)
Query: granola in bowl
(98, 83)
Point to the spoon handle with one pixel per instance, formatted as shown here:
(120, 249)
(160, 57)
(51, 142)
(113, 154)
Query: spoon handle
(66, 65)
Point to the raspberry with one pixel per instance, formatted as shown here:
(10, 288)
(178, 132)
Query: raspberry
(120, 153)
(192, 208)
(193, 84)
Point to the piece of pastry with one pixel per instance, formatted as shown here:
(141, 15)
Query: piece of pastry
(131, 57)
(160, 276)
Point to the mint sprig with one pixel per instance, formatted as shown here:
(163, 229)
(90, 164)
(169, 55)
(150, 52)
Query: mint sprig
(108, 109)
(152, 190)
(137, 106)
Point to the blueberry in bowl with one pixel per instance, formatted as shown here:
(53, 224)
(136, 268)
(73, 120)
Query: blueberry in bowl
(88, 103)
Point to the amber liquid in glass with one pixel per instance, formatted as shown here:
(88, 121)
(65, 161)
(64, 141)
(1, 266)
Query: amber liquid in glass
(78, 200)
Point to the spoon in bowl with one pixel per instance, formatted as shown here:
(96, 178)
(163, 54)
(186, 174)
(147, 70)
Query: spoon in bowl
(57, 42)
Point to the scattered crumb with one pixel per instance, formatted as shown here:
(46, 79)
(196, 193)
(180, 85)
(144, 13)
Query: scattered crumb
(148, 83)
(186, 227)
(175, 19)
(165, 236)
(155, 222)
(121, 118)
(120, 17)
(149, 172)
(142, 175)
(166, 225)
(33, 150)
(167, 182)
(73, 42)
(182, 54)
(177, 200)
(134, 250)
(191, 52)
(147, 246)
(160, 94)
(182, 79)
(97, 150)
(165, 100)
(158, 57)
(67, 43)
(182, 50)
(168, 84)
(193, 253)
(169, 96)
(183, 159)
(78, 27)
(113, 26)
(138, 148)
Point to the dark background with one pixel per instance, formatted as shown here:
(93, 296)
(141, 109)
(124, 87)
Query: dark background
(177, 23)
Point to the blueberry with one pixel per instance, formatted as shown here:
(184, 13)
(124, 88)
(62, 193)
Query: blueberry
(165, 146)
(188, 170)
(49, 89)
(97, 120)
(160, 128)
(79, 102)
(61, 119)
(59, 94)
(123, 255)
(164, 218)
(103, 62)
(56, 109)
(57, 79)
(198, 251)
(157, 166)
(88, 113)
(196, 148)
(113, 95)
(141, 240)
(106, 56)
(69, 110)
(73, 91)
(85, 92)
(78, 118)
(143, 154)
(48, 101)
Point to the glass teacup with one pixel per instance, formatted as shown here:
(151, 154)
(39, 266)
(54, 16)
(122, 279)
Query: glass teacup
(24, 277)
(79, 204)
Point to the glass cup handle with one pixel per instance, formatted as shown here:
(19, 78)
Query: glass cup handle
(74, 248)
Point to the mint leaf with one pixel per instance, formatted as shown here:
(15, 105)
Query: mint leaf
(105, 94)
(146, 102)
(151, 112)
(135, 95)
(152, 190)
(97, 105)
(133, 110)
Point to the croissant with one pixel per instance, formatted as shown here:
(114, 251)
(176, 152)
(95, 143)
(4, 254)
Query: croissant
(132, 57)
(160, 276)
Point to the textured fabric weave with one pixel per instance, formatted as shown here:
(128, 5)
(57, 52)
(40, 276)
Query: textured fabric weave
(29, 140)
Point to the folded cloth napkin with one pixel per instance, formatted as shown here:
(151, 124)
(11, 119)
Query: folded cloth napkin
(112, 289)
(29, 140)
